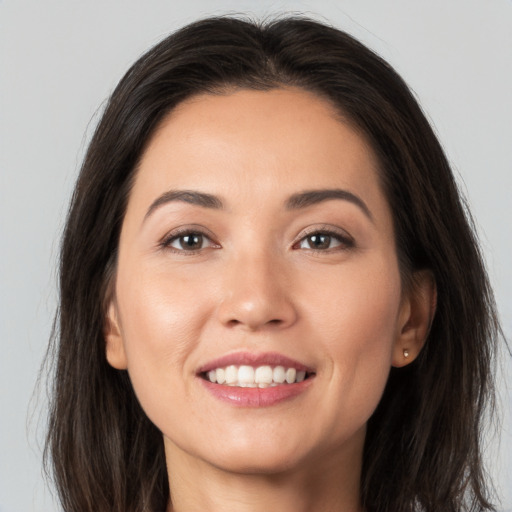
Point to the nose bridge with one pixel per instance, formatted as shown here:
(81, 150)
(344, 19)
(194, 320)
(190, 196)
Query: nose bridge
(255, 291)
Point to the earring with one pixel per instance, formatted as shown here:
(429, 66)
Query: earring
(406, 353)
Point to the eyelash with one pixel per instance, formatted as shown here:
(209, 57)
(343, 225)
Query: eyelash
(345, 241)
(182, 233)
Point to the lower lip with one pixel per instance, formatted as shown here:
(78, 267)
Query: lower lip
(256, 397)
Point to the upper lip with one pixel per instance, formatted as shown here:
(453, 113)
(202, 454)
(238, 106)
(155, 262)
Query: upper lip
(255, 360)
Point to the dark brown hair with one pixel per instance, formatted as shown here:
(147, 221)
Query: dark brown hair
(423, 446)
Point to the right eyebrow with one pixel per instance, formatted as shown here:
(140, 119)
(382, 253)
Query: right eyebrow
(186, 196)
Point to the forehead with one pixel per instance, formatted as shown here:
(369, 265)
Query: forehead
(270, 142)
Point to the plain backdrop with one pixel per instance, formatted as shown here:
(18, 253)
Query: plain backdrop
(59, 61)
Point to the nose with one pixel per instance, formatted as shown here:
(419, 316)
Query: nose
(257, 294)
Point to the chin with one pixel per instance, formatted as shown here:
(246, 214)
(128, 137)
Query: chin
(264, 456)
(262, 464)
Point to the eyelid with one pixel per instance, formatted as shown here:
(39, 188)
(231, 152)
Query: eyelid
(172, 235)
(327, 229)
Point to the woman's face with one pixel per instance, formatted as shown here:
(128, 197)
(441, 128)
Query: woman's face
(257, 244)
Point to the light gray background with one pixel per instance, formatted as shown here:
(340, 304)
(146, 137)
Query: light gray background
(59, 60)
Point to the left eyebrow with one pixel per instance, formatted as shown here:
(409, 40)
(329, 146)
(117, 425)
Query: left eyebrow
(312, 197)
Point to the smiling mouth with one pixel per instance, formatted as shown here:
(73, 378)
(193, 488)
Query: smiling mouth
(265, 376)
(255, 380)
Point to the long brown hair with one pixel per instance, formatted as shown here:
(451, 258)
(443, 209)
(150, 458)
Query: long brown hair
(423, 446)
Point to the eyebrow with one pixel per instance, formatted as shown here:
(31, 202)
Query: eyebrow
(186, 196)
(294, 202)
(312, 197)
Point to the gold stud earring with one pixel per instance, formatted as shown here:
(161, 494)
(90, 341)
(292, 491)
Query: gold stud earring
(406, 353)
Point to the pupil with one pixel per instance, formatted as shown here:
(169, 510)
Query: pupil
(193, 241)
(319, 241)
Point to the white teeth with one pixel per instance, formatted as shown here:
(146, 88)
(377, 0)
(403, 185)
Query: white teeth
(221, 375)
(248, 377)
(263, 375)
(279, 374)
(231, 374)
(290, 375)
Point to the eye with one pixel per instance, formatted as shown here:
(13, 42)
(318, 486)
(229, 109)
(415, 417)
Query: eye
(188, 241)
(324, 240)
(318, 241)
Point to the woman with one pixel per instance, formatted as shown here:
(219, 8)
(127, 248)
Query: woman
(271, 295)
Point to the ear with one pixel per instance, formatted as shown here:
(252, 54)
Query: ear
(114, 346)
(415, 318)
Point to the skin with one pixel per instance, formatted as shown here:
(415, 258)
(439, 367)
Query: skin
(256, 285)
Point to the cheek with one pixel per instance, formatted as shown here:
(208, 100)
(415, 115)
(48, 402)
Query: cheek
(361, 302)
(160, 325)
(358, 321)
(160, 311)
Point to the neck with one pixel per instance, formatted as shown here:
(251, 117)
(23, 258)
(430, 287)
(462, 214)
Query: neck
(328, 483)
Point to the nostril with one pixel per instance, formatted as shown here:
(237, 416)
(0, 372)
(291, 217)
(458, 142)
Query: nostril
(234, 322)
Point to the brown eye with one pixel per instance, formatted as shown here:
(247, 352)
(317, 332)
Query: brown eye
(325, 241)
(319, 241)
(190, 241)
